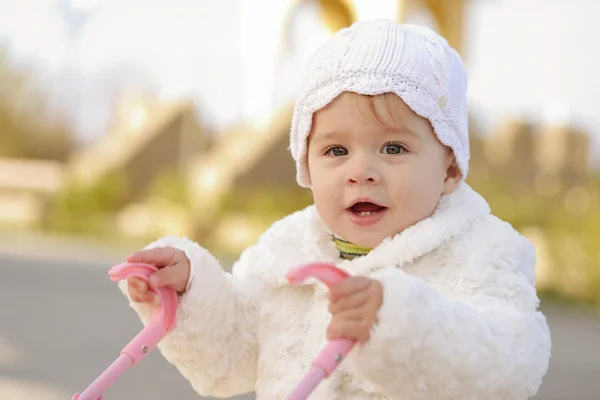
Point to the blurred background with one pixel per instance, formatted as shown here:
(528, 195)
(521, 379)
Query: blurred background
(125, 120)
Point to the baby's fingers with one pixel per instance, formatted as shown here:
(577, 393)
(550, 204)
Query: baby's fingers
(138, 283)
(159, 257)
(138, 296)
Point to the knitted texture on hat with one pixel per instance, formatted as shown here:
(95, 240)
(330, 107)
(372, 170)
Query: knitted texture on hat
(382, 56)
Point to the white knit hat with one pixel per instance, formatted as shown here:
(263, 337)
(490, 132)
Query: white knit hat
(375, 57)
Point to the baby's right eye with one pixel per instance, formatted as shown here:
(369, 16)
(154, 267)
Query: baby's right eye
(337, 151)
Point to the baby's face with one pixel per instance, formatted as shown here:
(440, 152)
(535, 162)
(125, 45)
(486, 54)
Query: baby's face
(376, 167)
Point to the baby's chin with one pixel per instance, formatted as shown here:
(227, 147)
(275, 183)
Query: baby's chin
(364, 239)
(371, 236)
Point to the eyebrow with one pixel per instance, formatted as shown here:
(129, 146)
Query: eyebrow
(402, 131)
(328, 135)
(332, 135)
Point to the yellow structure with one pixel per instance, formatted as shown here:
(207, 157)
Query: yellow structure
(448, 14)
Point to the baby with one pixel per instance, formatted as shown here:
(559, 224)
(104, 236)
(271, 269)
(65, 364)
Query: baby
(442, 298)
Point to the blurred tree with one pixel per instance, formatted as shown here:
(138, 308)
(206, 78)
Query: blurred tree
(26, 127)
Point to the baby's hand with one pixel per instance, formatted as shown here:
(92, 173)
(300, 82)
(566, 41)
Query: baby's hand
(174, 272)
(354, 304)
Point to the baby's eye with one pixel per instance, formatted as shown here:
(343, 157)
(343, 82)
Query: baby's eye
(337, 151)
(393, 148)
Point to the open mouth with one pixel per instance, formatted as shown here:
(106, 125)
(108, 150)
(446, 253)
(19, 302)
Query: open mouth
(366, 209)
(365, 213)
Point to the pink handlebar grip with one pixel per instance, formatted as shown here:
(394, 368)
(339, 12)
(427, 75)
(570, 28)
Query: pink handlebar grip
(163, 316)
(335, 350)
(332, 355)
(163, 320)
(329, 274)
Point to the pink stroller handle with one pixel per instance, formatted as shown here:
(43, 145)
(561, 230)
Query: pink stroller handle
(163, 320)
(335, 350)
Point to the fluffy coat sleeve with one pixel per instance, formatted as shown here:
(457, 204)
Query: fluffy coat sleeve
(487, 341)
(214, 343)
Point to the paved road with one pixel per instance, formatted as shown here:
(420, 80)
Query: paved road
(63, 323)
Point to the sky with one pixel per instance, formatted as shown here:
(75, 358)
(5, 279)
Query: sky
(524, 57)
(538, 57)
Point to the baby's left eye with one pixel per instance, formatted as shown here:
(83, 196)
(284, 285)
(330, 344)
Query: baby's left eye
(393, 149)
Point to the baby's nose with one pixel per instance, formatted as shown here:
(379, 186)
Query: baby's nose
(363, 173)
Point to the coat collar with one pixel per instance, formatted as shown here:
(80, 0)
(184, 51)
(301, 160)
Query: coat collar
(454, 215)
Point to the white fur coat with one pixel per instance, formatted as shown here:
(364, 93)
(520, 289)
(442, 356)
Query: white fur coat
(459, 318)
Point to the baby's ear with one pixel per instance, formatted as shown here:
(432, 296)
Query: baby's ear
(453, 174)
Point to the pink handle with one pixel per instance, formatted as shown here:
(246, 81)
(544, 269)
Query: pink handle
(163, 316)
(163, 320)
(335, 350)
(329, 274)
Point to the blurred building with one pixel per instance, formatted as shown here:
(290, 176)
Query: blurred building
(525, 152)
(564, 151)
(147, 138)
